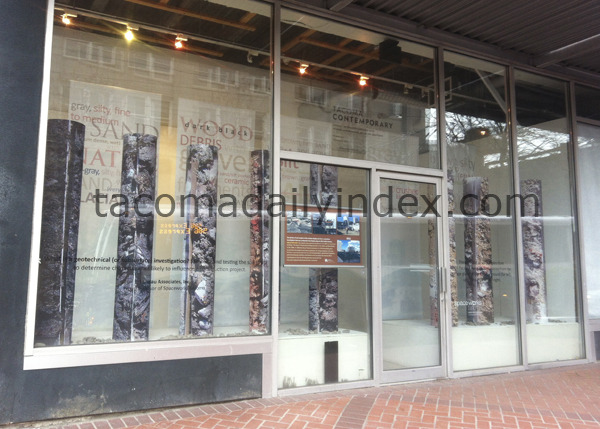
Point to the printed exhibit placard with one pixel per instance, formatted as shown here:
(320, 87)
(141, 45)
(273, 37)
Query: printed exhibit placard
(315, 238)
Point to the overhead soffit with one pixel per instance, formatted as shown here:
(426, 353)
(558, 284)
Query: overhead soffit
(548, 32)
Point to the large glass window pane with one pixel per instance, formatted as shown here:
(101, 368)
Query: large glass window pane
(324, 330)
(356, 94)
(151, 150)
(409, 274)
(589, 158)
(485, 322)
(588, 106)
(553, 319)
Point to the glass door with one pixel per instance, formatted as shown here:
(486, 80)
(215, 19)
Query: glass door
(324, 289)
(408, 281)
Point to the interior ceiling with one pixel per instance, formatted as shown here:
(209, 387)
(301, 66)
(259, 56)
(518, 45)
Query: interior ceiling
(542, 33)
(548, 32)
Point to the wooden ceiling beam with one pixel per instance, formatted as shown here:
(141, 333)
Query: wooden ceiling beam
(291, 43)
(338, 48)
(192, 14)
(246, 18)
(340, 55)
(296, 40)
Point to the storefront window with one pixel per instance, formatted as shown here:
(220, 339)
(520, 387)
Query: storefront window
(152, 151)
(551, 289)
(356, 94)
(589, 156)
(483, 277)
(588, 141)
(324, 330)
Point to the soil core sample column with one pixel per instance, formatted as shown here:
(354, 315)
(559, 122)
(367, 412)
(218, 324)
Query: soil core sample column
(201, 245)
(452, 243)
(60, 231)
(478, 253)
(135, 239)
(259, 242)
(533, 250)
(323, 282)
(323, 299)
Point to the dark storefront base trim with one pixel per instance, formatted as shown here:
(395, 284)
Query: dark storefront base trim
(84, 391)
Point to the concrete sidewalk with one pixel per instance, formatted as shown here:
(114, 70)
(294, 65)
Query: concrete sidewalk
(567, 397)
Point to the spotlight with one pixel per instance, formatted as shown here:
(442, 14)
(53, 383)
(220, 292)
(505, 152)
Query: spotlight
(66, 18)
(302, 68)
(363, 80)
(129, 34)
(179, 41)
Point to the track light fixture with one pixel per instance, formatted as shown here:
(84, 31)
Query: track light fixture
(363, 80)
(129, 33)
(179, 41)
(250, 56)
(302, 68)
(66, 18)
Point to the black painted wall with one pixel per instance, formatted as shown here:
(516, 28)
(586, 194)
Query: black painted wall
(45, 394)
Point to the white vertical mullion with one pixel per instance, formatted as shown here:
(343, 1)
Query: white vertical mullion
(442, 235)
(446, 308)
(517, 213)
(276, 189)
(579, 232)
(376, 304)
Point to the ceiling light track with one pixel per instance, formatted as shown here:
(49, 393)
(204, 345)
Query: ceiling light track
(135, 25)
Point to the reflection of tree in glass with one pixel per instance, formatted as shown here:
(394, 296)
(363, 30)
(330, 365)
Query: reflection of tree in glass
(533, 142)
(489, 135)
(539, 143)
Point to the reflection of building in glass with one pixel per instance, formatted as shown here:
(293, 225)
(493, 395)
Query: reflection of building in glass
(298, 224)
(348, 225)
(348, 251)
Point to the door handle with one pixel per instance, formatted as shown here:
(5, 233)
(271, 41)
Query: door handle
(442, 282)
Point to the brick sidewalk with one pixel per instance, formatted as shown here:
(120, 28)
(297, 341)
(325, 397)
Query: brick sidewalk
(567, 397)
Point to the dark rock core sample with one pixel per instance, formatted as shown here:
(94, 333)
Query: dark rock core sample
(313, 299)
(60, 231)
(323, 185)
(478, 254)
(259, 242)
(323, 282)
(135, 239)
(201, 246)
(533, 251)
(328, 300)
(323, 299)
(452, 242)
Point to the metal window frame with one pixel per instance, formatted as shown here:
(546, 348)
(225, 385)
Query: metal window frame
(267, 345)
(118, 353)
(590, 325)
